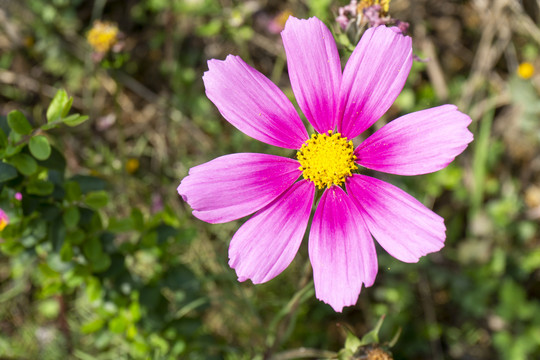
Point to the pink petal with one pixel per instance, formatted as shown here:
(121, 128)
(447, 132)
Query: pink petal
(236, 185)
(253, 104)
(4, 217)
(373, 78)
(404, 227)
(417, 143)
(267, 243)
(314, 70)
(341, 250)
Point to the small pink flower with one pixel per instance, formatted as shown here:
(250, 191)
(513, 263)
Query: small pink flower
(352, 207)
(18, 196)
(4, 220)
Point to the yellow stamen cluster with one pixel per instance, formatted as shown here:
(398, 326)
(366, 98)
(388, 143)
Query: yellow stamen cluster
(102, 36)
(3, 224)
(327, 159)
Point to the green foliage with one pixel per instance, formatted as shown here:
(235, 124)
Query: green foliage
(60, 224)
(18, 123)
(39, 147)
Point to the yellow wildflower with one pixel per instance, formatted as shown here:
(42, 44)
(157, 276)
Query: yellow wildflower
(132, 165)
(385, 5)
(282, 17)
(102, 36)
(525, 70)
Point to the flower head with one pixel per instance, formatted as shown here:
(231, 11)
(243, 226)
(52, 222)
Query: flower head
(102, 36)
(352, 207)
(4, 220)
(525, 70)
(132, 165)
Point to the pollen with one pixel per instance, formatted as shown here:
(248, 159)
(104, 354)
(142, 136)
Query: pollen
(327, 159)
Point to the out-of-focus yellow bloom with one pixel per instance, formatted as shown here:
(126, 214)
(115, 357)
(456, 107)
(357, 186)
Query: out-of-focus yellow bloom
(525, 70)
(385, 5)
(132, 165)
(277, 24)
(102, 36)
(29, 41)
(282, 17)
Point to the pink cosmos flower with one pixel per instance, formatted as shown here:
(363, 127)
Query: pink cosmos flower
(4, 220)
(352, 207)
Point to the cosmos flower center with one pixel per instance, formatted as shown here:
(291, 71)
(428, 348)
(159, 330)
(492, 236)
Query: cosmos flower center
(327, 159)
(3, 224)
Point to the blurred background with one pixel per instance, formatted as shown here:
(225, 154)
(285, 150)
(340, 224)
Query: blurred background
(110, 263)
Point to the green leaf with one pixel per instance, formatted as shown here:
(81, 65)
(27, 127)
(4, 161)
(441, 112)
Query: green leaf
(49, 308)
(210, 28)
(4, 125)
(7, 172)
(40, 187)
(94, 290)
(67, 107)
(40, 147)
(121, 225)
(117, 325)
(57, 107)
(97, 199)
(92, 249)
(102, 263)
(92, 326)
(71, 217)
(3, 139)
(372, 337)
(352, 343)
(88, 184)
(75, 119)
(46, 127)
(12, 150)
(24, 163)
(76, 236)
(66, 252)
(18, 123)
(73, 191)
(57, 234)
